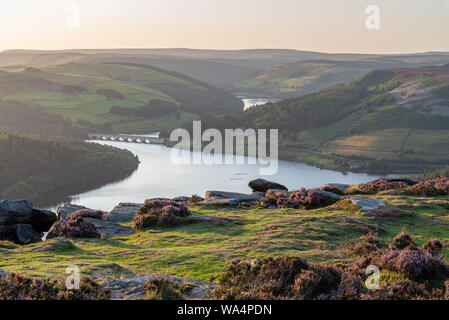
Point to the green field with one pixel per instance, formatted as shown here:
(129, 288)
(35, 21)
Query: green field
(138, 85)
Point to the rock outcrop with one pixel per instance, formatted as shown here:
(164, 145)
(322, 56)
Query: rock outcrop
(111, 229)
(367, 204)
(181, 199)
(42, 220)
(219, 202)
(232, 197)
(329, 195)
(3, 273)
(338, 188)
(130, 286)
(263, 185)
(105, 223)
(123, 212)
(67, 209)
(25, 234)
(19, 233)
(23, 224)
(14, 212)
(73, 228)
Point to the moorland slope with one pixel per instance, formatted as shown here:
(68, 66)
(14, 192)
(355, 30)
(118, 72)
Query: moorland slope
(394, 119)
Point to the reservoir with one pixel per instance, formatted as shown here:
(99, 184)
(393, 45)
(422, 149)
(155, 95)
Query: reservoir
(157, 176)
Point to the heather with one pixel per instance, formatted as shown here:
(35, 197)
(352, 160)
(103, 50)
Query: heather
(308, 199)
(74, 227)
(442, 172)
(159, 212)
(363, 246)
(377, 186)
(430, 188)
(87, 213)
(433, 247)
(19, 287)
(285, 277)
(290, 277)
(402, 241)
(412, 263)
(164, 289)
(427, 187)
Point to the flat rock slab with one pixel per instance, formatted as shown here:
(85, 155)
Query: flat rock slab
(66, 209)
(130, 287)
(123, 212)
(111, 229)
(367, 204)
(181, 199)
(3, 273)
(241, 197)
(219, 202)
(328, 194)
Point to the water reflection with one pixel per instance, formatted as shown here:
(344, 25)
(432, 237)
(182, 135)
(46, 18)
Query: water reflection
(158, 177)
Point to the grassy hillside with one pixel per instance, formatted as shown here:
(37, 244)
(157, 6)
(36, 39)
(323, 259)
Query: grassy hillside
(203, 250)
(19, 117)
(34, 166)
(85, 93)
(302, 77)
(216, 73)
(387, 120)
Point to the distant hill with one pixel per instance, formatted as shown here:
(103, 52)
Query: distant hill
(224, 68)
(244, 54)
(389, 119)
(85, 94)
(216, 73)
(298, 78)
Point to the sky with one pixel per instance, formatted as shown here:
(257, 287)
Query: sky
(319, 25)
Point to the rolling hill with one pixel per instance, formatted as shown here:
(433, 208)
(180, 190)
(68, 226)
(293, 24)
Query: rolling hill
(86, 93)
(237, 70)
(386, 120)
(298, 78)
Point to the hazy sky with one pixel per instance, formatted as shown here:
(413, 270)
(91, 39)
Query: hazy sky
(316, 25)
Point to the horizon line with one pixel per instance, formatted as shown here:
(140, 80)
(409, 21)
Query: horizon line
(243, 49)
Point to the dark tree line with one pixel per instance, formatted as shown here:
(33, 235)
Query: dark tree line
(33, 166)
(298, 114)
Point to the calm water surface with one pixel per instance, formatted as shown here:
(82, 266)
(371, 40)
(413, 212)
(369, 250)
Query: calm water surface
(158, 177)
(248, 103)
